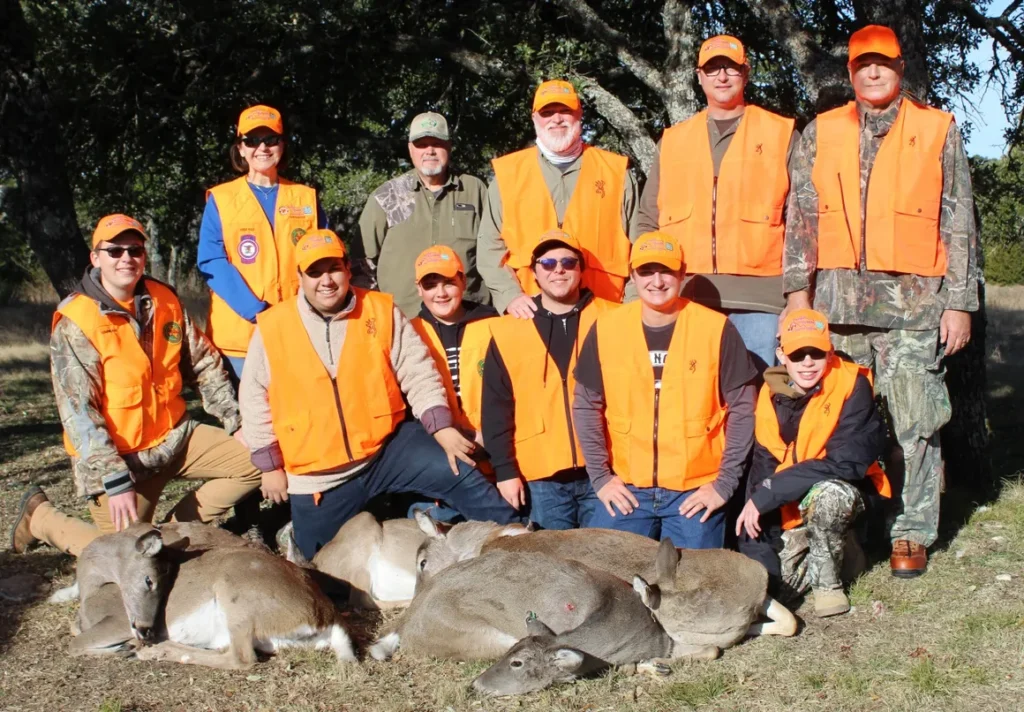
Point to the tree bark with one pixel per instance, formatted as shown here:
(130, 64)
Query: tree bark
(623, 120)
(29, 144)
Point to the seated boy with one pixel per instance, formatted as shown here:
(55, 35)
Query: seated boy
(818, 437)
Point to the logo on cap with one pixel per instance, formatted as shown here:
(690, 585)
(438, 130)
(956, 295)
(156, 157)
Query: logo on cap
(261, 114)
(248, 248)
(803, 323)
(656, 245)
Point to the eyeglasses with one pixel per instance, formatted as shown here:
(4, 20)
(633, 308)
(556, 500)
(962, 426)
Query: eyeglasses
(135, 251)
(715, 71)
(800, 354)
(269, 140)
(548, 263)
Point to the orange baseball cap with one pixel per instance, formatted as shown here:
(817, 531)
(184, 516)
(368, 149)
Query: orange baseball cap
(659, 248)
(260, 115)
(556, 91)
(551, 239)
(722, 46)
(317, 245)
(874, 39)
(803, 328)
(110, 226)
(439, 259)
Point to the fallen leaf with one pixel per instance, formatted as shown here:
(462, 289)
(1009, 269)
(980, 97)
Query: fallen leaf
(920, 653)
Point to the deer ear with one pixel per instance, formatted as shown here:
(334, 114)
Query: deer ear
(568, 659)
(150, 544)
(180, 544)
(666, 563)
(430, 526)
(534, 626)
(647, 593)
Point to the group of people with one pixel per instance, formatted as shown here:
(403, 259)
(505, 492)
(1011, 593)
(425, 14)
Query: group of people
(559, 346)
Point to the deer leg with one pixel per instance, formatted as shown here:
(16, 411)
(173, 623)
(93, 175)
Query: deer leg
(110, 636)
(783, 622)
(695, 652)
(239, 655)
(657, 667)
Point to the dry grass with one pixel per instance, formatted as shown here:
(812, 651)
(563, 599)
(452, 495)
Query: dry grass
(951, 640)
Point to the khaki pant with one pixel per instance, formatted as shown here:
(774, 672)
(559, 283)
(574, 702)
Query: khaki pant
(211, 454)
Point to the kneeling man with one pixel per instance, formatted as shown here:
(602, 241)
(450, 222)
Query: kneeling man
(664, 407)
(819, 437)
(323, 408)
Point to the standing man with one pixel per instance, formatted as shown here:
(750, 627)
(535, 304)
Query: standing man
(664, 363)
(561, 183)
(718, 186)
(323, 398)
(429, 205)
(121, 350)
(528, 390)
(892, 268)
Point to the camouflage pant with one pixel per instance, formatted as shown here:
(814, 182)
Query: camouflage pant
(909, 378)
(812, 554)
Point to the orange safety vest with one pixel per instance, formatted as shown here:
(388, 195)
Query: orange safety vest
(324, 423)
(141, 398)
(904, 193)
(731, 224)
(817, 424)
(593, 216)
(688, 407)
(545, 439)
(263, 255)
(476, 337)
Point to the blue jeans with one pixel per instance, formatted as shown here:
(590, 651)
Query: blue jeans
(757, 330)
(411, 461)
(565, 501)
(658, 517)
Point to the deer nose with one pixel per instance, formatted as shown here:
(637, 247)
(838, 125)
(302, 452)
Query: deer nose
(143, 633)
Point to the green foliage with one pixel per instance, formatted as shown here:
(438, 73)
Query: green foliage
(1004, 263)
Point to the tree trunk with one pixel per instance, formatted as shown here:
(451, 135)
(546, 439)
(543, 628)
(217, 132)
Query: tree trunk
(156, 266)
(172, 268)
(29, 144)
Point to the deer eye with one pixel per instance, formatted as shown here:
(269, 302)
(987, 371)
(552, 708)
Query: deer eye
(423, 564)
(516, 663)
(149, 583)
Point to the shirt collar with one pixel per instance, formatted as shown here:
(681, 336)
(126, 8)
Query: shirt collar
(879, 124)
(412, 180)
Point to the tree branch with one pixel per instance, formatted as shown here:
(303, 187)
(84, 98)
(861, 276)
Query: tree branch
(680, 59)
(479, 64)
(630, 128)
(1002, 29)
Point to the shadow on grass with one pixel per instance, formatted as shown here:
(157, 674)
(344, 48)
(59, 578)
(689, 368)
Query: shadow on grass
(45, 564)
(26, 438)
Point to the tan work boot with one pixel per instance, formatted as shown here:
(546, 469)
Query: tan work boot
(830, 603)
(21, 533)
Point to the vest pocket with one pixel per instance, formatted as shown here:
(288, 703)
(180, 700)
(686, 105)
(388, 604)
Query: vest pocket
(292, 431)
(123, 410)
(527, 428)
(834, 246)
(619, 425)
(916, 245)
(676, 213)
(760, 245)
(122, 396)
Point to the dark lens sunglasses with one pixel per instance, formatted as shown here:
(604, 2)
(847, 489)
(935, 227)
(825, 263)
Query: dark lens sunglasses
(548, 263)
(135, 251)
(800, 354)
(270, 140)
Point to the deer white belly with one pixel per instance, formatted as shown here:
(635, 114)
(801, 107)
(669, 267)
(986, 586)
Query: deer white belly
(204, 627)
(389, 582)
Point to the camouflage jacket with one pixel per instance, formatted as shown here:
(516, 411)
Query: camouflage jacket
(882, 299)
(77, 384)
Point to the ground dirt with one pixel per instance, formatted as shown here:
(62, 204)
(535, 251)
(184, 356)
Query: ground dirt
(952, 640)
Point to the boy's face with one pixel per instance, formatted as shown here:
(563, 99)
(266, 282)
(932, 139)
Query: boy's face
(805, 366)
(442, 295)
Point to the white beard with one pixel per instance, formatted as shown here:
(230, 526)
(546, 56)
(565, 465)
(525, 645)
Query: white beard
(560, 144)
(431, 172)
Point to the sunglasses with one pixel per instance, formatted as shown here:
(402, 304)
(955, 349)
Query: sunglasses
(269, 140)
(549, 263)
(800, 354)
(135, 251)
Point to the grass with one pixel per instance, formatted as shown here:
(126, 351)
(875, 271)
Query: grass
(951, 640)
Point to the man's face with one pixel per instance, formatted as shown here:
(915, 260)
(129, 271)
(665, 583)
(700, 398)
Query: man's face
(723, 82)
(555, 279)
(441, 295)
(123, 271)
(557, 126)
(876, 79)
(429, 155)
(658, 286)
(805, 366)
(325, 284)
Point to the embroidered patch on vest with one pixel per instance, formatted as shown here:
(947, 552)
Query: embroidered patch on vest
(693, 365)
(480, 367)
(172, 332)
(599, 187)
(297, 234)
(371, 326)
(248, 248)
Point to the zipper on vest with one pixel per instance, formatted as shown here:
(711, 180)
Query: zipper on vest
(341, 419)
(714, 232)
(568, 420)
(657, 403)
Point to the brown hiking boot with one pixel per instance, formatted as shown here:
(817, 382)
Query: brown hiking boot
(21, 533)
(830, 603)
(908, 559)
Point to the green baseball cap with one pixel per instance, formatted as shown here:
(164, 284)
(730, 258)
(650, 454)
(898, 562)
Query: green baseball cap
(429, 124)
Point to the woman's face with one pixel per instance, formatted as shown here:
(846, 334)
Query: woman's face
(254, 150)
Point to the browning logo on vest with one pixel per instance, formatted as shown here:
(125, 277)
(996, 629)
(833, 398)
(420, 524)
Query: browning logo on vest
(693, 365)
(371, 326)
(599, 187)
(172, 332)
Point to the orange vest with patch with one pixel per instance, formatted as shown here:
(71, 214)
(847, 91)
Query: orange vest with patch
(141, 398)
(818, 422)
(263, 255)
(593, 216)
(476, 337)
(672, 438)
(731, 224)
(545, 439)
(904, 202)
(325, 423)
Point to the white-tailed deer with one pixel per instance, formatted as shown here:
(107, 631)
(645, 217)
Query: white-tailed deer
(202, 596)
(704, 597)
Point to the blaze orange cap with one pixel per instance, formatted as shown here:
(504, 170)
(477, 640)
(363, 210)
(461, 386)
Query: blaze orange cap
(874, 39)
(551, 239)
(659, 248)
(111, 226)
(439, 259)
(260, 115)
(722, 46)
(804, 328)
(556, 91)
(316, 245)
